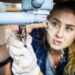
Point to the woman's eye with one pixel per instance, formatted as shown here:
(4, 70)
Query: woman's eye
(55, 24)
(69, 28)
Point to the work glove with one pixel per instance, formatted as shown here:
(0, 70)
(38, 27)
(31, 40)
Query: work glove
(24, 58)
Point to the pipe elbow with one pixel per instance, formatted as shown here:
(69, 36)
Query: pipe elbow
(37, 3)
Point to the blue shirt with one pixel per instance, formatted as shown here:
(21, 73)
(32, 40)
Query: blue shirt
(49, 69)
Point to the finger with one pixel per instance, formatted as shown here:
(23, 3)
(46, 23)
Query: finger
(29, 46)
(16, 69)
(15, 42)
(19, 69)
(19, 52)
(31, 51)
(28, 39)
(16, 51)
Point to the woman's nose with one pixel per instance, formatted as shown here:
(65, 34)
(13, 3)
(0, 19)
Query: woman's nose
(60, 33)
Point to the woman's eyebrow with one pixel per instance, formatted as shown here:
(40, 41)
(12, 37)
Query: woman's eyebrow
(70, 25)
(57, 20)
(66, 24)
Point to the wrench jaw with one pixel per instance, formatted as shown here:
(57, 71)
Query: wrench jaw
(23, 34)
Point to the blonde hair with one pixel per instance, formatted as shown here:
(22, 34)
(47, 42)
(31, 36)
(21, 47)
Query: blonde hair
(70, 67)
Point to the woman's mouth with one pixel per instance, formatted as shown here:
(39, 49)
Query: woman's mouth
(58, 43)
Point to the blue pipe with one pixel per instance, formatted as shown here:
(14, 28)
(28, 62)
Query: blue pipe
(26, 17)
(21, 18)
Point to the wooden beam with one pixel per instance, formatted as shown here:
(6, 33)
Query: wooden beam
(13, 9)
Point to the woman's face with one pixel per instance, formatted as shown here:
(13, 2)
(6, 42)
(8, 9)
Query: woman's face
(63, 28)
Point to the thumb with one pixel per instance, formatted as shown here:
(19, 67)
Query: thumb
(28, 42)
(30, 49)
(28, 39)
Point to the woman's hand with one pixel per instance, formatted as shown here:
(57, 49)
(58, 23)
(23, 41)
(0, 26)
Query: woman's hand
(24, 59)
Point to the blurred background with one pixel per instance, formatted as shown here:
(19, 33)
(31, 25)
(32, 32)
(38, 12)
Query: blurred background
(9, 6)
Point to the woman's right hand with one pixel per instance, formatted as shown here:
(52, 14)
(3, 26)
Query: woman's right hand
(24, 59)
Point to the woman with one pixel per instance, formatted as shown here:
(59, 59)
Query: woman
(62, 21)
(58, 35)
(62, 27)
